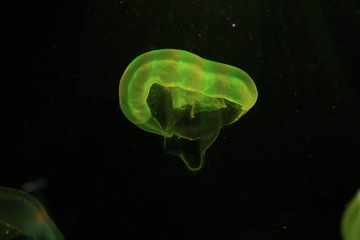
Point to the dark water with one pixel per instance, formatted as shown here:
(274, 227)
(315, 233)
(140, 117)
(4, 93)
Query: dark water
(283, 171)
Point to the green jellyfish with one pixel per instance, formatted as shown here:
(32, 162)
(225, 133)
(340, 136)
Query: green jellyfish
(21, 214)
(185, 98)
(350, 223)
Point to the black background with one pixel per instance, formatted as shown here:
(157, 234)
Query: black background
(283, 171)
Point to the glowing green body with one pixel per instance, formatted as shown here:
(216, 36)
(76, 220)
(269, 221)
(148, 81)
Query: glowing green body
(20, 213)
(350, 224)
(184, 97)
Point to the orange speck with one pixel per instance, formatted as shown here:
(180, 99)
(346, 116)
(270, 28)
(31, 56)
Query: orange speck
(233, 25)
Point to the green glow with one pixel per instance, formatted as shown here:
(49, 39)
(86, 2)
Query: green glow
(20, 213)
(350, 223)
(185, 98)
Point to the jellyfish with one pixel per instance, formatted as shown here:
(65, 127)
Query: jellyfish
(350, 223)
(21, 214)
(184, 98)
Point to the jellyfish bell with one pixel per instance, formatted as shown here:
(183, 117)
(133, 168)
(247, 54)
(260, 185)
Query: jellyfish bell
(185, 98)
(350, 222)
(23, 215)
